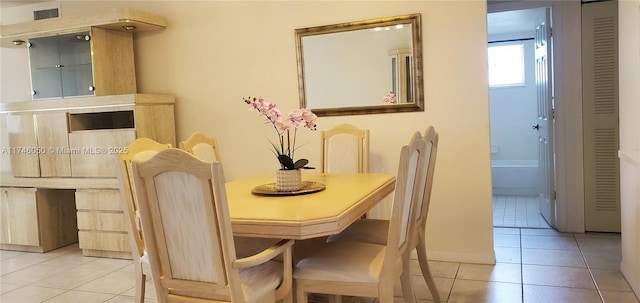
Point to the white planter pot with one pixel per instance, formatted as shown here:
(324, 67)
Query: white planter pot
(288, 180)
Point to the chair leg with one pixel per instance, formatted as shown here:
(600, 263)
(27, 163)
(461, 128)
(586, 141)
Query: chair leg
(424, 267)
(288, 298)
(405, 281)
(301, 295)
(161, 293)
(140, 284)
(285, 290)
(386, 297)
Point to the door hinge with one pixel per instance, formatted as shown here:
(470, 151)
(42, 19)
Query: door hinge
(554, 195)
(551, 32)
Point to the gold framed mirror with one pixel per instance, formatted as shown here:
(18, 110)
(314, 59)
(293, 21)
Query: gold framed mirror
(363, 67)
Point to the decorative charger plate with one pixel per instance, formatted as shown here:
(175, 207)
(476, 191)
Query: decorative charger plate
(270, 189)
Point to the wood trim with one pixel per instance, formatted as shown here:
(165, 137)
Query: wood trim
(114, 19)
(26, 248)
(60, 183)
(86, 104)
(106, 254)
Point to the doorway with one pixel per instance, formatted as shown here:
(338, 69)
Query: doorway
(518, 119)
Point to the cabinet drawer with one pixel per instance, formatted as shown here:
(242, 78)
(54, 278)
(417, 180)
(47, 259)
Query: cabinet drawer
(101, 221)
(98, 199)
(111, 241)
(98, 151)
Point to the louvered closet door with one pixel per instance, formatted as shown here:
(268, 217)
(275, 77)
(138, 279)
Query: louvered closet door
(600, 116)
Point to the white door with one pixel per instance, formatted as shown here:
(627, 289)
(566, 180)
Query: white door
(544, 87)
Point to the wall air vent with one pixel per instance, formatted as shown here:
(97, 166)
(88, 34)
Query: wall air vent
(45, 14)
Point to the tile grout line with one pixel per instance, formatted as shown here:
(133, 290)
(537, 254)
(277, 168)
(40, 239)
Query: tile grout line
(584, 259)
(521, 267)
(501, 213)
(455, 277)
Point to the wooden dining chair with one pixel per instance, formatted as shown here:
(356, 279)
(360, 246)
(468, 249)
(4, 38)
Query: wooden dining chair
(186, 226)
(139, 149)
(206, 148)
(202, 147)
(345, 149)
(375, 230)
(367, 269)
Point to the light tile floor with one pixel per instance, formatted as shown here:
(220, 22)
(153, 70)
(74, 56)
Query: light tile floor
(532, 265)
(517, 211)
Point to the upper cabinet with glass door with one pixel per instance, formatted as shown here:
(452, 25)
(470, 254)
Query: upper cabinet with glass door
(73, 56)
(61, 66)
(82, 64)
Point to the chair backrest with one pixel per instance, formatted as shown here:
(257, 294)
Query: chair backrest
(430, 137)
(138, 149)
(411, 169)
(345, 149)
(186, 225)
(202, 147)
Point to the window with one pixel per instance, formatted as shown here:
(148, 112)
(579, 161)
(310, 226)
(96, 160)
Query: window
(506, 65)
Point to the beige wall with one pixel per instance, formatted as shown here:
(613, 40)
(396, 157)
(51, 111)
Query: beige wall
(629, 59)
(214, 53)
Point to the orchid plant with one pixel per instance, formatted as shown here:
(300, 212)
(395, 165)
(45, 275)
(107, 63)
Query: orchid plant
(389, 98)
(285, 148)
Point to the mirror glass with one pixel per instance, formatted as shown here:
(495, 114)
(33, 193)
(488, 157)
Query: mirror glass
(363, 67)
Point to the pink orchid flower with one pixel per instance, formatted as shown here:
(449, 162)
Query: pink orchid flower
(389, 98)
(285, 147)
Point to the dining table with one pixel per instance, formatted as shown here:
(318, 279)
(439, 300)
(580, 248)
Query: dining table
(326, 204)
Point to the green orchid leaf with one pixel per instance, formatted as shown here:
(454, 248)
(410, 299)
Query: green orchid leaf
(276, 151)
(286, 161)
(300, 163)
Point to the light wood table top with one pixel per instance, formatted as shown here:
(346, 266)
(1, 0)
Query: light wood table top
(346, 198)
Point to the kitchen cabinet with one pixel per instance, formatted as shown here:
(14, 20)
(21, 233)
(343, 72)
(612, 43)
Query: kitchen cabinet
(80, 138)
(63, 144)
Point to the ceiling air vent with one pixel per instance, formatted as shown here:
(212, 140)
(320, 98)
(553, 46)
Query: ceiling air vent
(45, 13)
